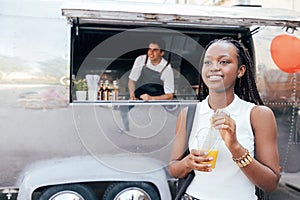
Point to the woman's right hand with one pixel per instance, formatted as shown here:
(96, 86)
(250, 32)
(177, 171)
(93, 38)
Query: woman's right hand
(197, 160)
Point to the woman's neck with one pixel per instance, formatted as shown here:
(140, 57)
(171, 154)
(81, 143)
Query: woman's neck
(220, 100)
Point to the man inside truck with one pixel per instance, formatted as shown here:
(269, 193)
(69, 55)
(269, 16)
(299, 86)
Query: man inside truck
(151, 77)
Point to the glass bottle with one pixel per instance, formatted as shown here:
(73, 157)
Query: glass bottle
(101, 90)
(106, 92)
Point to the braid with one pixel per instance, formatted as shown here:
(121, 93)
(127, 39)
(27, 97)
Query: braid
(245, 87)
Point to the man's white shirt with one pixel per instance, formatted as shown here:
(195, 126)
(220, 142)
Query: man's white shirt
(167, 75)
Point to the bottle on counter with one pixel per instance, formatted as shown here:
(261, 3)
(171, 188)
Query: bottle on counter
(106, 92)
(101, 90)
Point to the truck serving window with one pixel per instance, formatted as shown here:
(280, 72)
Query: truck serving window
(109, 51)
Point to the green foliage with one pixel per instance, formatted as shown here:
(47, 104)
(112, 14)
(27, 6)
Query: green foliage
(80, 85)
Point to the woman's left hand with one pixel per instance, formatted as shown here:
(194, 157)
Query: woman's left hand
(227, 127)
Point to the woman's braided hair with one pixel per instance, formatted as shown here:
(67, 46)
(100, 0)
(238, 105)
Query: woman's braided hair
(245, 87)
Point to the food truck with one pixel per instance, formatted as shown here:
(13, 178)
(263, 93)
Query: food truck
(56, 145)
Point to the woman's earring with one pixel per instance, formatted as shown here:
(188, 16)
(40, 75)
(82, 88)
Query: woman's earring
(240, 80)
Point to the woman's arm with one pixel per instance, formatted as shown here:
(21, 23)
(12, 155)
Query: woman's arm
(264, 170)
(180, 165)
(266, 164)
(177, 167)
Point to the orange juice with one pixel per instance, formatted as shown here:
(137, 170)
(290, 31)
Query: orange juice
(213, 153)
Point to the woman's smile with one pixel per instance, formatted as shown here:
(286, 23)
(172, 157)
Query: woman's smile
(215, 77)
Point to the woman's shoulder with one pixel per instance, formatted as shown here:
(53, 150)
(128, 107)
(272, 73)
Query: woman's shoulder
(261, 114)
(261, 109)
(255, 109)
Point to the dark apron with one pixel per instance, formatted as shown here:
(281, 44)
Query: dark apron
(149, 82)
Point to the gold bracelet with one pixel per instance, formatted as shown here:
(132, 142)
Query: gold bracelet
(244, 160)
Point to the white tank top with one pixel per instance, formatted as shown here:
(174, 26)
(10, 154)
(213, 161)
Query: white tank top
(226, 181)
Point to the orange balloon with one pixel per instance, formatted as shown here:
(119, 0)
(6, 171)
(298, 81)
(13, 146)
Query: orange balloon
(285, 51)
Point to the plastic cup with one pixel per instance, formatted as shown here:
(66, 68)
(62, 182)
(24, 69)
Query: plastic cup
(209, 143)
(212, 153)
(92, 95)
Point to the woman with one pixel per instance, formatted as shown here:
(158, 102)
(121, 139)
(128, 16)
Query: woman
(246, 127)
